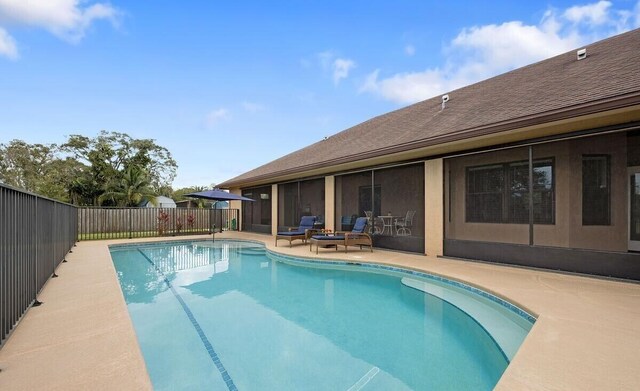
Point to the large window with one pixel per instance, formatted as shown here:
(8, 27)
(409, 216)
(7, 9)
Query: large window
(499, 193)
(596, 190)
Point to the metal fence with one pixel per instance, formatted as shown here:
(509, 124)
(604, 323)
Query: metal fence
(35, 235)
(127, 223)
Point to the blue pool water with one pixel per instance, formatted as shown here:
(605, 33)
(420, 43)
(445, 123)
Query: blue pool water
(230, 315)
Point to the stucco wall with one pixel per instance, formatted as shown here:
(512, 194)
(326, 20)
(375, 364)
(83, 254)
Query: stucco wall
(274, 210)
(329, 202)
(237, 205)
(568, 230)
(433, 206)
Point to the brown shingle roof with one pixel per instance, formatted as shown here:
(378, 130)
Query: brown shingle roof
(556, 88)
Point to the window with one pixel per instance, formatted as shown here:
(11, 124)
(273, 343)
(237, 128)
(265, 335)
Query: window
(485, 190)
(500, 193)
(596, 193)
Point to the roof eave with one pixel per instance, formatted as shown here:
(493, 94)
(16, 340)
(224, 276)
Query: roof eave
(549, 117)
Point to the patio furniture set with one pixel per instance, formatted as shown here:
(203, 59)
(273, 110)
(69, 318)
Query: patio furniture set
(327, 239)
(402, 224)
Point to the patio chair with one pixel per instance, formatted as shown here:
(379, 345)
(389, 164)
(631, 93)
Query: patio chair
(404, 224)
(303, 232)
(346, 222)
(371, 221)
(357, 237)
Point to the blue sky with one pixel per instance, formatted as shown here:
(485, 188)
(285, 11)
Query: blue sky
(229, 86)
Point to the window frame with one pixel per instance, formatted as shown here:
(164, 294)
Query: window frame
(507, 216)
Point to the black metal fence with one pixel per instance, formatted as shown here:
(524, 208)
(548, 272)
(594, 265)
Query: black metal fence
(127, 223)
(35, 235)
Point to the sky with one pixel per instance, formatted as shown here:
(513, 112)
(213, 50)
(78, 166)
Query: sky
(227, 86)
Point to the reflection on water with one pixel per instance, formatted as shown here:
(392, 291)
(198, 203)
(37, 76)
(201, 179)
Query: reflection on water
(280, 326)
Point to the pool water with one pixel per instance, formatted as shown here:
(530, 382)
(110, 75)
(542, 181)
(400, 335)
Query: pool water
(230, 315)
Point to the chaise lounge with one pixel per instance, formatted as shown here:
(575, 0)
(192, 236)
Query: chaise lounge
(303, 232)
(357, 237)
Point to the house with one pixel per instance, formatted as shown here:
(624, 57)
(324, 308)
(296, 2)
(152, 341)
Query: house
(537, 167)
(161, 202)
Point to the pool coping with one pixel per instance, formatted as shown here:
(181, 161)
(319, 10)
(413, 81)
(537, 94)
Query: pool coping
(586, 335)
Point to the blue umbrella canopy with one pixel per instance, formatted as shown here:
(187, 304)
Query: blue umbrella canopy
(218, 195)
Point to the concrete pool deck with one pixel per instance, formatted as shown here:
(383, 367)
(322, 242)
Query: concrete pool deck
(587, 336)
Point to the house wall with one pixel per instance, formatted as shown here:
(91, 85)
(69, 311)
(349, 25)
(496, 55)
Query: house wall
(433, 207)
(567, 231)
(274, 210)
(237, 205)
(329, 202)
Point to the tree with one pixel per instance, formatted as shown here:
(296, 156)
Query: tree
(84, 168)
(110, 154)
(37, 168)
(130, 190)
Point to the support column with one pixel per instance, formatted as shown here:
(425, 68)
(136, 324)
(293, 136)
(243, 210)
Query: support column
(274, 210)
(237, 205)
(329, 202)
(434, 207)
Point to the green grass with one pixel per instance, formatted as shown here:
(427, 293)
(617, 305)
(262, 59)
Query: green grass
(139, 234)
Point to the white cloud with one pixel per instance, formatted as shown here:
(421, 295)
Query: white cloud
(7, 45)
(596, 13)
(338, 67)
(252, 107)
(341, 68)
(216, 116)
(409, 50)
(67, 19)
(480, 52)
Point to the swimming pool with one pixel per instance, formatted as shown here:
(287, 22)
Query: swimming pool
(232, 315)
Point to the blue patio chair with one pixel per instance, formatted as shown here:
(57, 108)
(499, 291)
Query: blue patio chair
(303, 232)
(357, 237)
(346, 222)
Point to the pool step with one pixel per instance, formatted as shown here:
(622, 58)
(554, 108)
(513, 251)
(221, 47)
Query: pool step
(506, 328)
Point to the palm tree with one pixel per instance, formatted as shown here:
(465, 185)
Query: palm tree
(133, 187)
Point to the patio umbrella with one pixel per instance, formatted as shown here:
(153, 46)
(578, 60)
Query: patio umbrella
(218, 195)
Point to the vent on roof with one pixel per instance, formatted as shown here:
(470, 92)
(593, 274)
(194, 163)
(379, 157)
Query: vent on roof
(445, 99)
(582, 54)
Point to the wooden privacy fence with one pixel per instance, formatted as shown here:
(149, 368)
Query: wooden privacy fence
(119, 223)
(35, 235)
